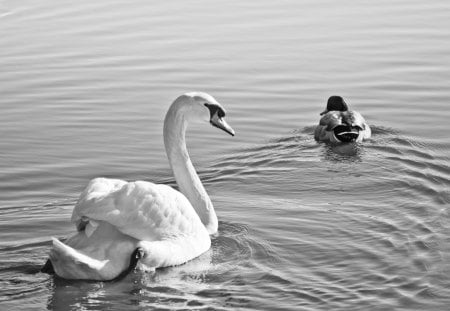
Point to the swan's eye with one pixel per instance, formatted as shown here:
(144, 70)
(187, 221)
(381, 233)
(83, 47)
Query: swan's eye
(213, 109)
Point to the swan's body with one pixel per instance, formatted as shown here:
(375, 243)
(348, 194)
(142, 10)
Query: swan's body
(339, 124)
(114, 217)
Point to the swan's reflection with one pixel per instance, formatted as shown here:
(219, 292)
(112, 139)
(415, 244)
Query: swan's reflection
(139, 289)
(173, 287)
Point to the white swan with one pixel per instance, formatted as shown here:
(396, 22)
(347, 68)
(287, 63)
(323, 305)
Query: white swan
(339, 124)
(121, 222)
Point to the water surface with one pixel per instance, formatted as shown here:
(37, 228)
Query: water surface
(303, 225)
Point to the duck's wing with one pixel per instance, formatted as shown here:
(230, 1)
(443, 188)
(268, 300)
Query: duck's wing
(142, 210)
(354, 119)
(331, 119)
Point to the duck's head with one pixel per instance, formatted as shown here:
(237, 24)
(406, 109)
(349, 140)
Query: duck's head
(335, 103)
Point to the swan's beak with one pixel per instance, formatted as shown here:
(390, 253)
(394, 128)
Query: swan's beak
(222, 124)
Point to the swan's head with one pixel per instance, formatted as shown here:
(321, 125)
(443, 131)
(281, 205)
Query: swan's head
(335, 103)
(205, 108)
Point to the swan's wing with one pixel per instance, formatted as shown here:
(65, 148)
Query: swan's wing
(143, 210)
(331, 119)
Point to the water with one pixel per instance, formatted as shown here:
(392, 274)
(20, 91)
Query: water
(84, 87)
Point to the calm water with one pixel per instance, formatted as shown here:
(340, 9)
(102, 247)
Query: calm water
(84, 87)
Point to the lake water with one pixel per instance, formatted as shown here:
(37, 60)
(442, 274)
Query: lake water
(84, 86)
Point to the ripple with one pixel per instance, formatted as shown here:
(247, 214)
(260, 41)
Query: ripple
(303, 225)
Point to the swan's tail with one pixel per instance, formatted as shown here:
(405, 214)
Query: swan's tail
(103, 255)
(70, 263)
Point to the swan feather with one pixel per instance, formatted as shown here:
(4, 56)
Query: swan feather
(140, 209)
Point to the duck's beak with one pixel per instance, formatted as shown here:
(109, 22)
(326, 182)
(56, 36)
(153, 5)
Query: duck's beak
(222, 124)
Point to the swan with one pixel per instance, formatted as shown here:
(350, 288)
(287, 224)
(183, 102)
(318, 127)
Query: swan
(121, 224)
(339, 124)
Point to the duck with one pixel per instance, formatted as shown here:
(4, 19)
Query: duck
(121, 226)
(338, 124)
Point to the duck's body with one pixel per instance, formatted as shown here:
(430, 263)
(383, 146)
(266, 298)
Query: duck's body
(114, 218)
(339, 124)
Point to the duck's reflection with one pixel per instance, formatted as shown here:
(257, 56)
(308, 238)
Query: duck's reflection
(344, 152)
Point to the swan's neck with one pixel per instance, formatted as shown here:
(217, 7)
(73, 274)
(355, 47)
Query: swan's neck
(189, 183)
